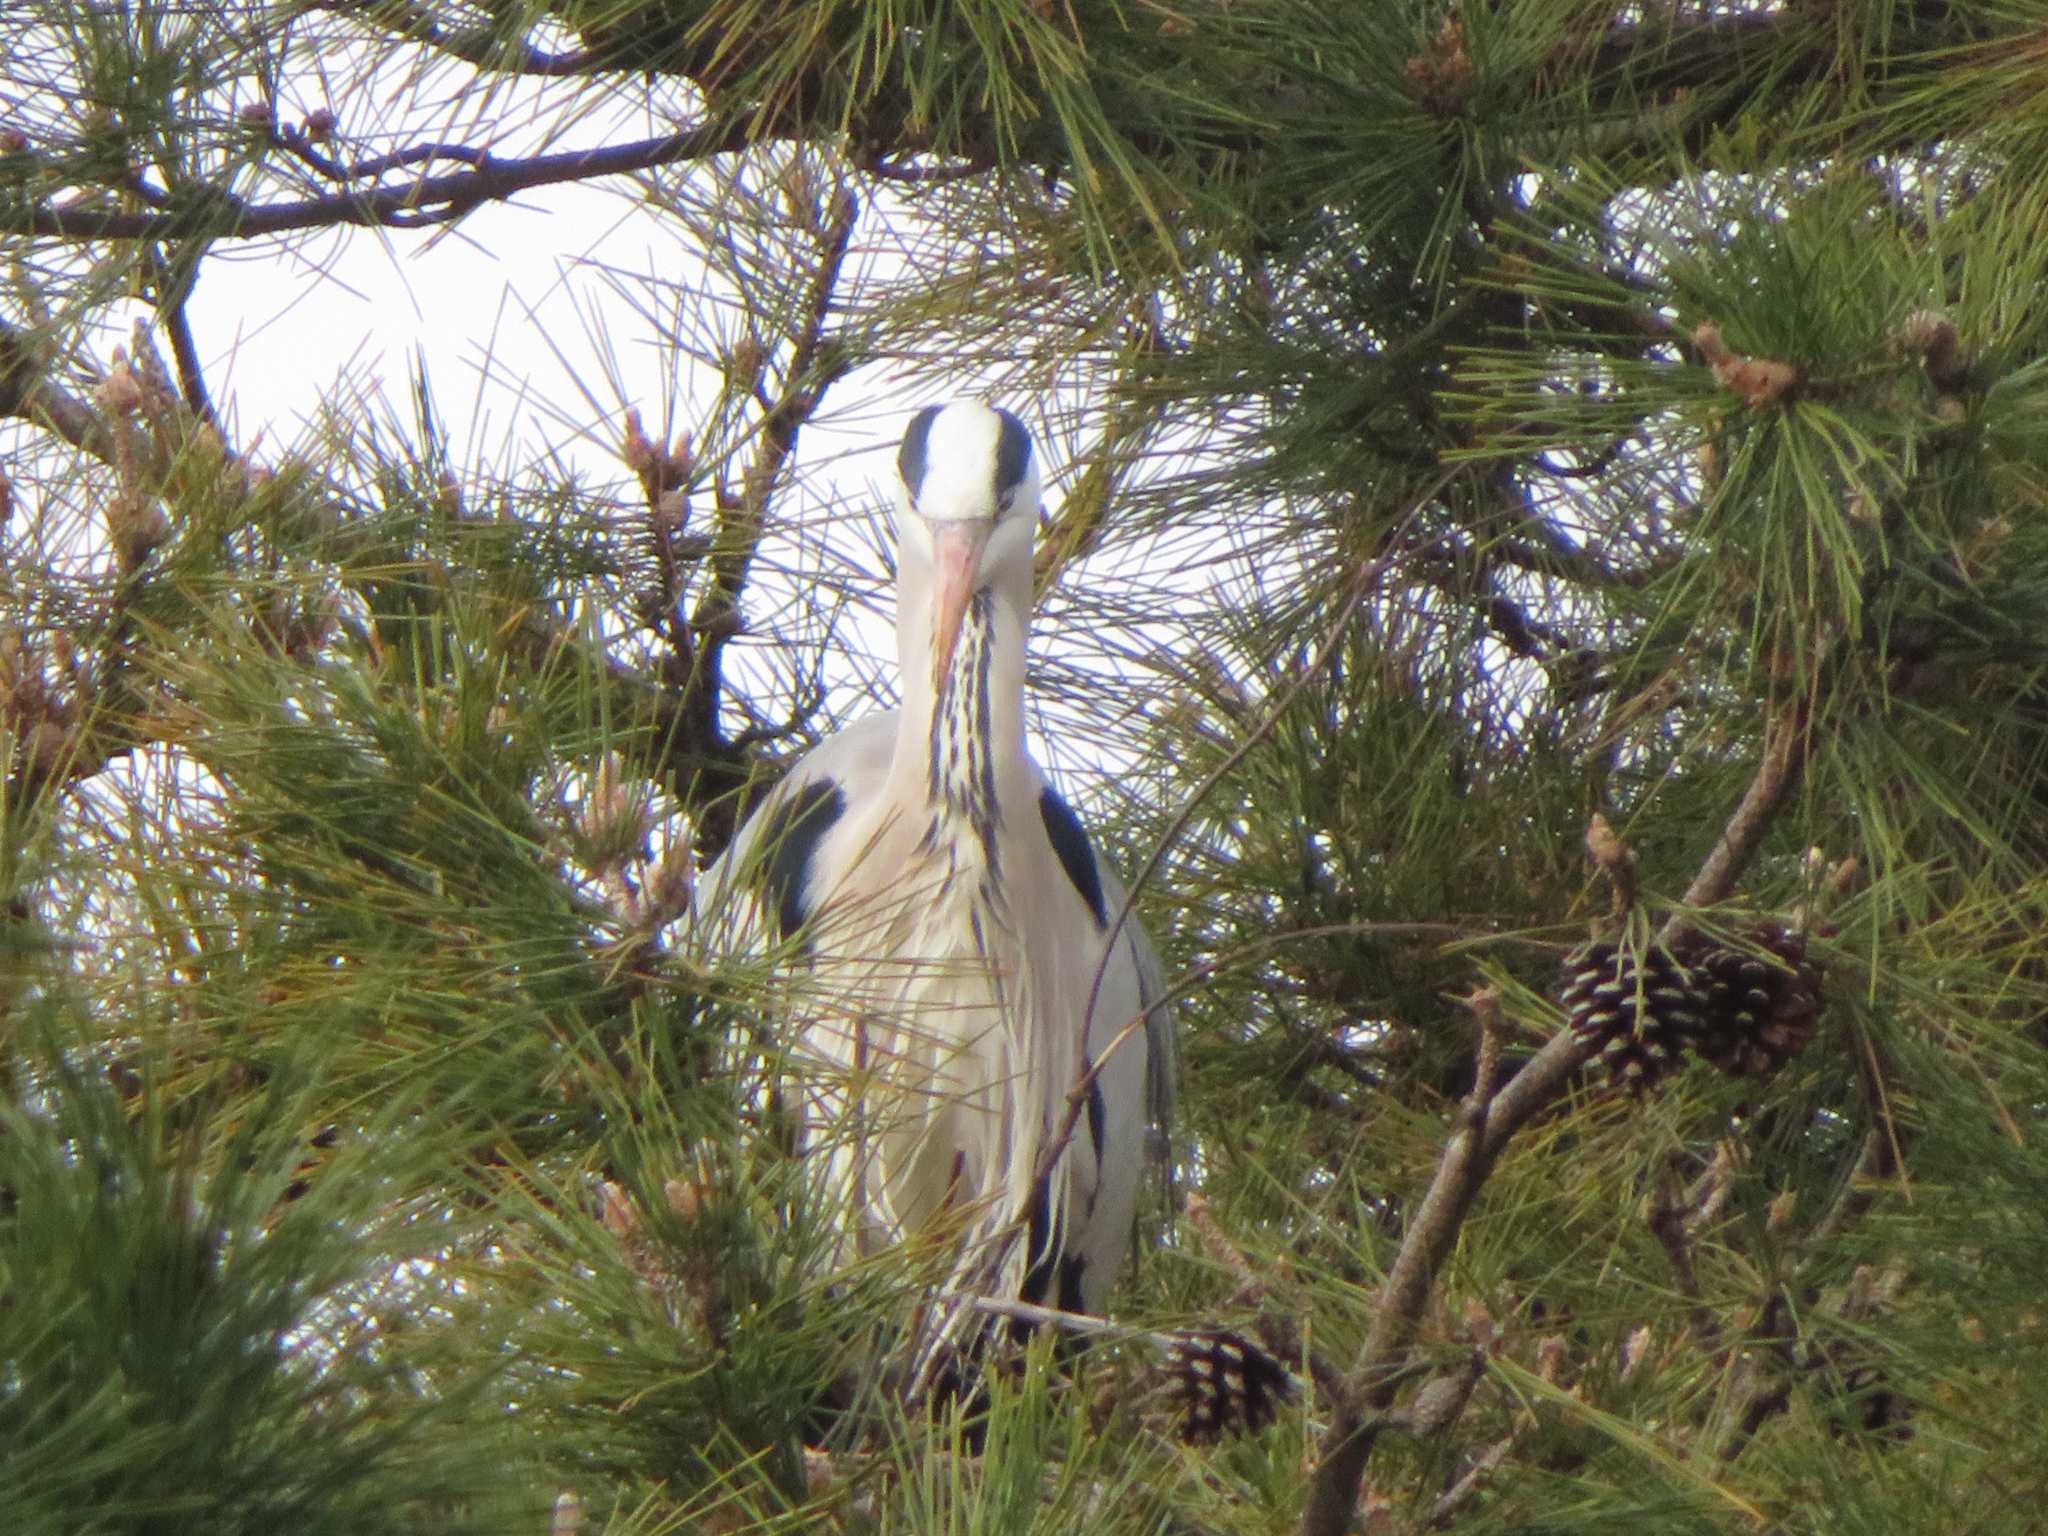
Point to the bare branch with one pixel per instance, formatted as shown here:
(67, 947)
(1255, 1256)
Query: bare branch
(27, 392)
(742, 524)
(1474, 1478)
(1486, 1123)
(213, 213)
(177, 275)
(1667, 1219)
(1786, 743)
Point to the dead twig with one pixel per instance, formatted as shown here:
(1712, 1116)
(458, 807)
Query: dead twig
(1667, 1221)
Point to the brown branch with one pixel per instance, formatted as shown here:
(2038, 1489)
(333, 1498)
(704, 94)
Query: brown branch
(1474, 1479)
(1462, 1168)
(1667, 1220)
(1485, 1125)
(1715, 67)
(742, 524)
(27, 393)
(215, 214)
(1787, 740)
(176, 275)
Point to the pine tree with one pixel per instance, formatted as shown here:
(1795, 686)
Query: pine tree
(1548, 565)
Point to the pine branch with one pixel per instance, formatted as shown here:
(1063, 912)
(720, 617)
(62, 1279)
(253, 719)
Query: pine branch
(28, 393)
(1487, 1120)
(211, 213)
(814, 367)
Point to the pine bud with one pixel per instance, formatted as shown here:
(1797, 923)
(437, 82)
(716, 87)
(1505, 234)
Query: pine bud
(746, 363)
(1635, 1349)
(119, 392)
(138, 528)
(636, 450)
(671, 512)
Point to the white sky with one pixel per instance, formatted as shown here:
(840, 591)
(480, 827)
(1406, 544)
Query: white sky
(540, 320)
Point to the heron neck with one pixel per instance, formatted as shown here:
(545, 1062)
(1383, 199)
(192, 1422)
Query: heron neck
(963, 739)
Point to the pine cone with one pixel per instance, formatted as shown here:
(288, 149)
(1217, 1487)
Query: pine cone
(1760, 1009)
(1645, 1012)
(1224, 1383)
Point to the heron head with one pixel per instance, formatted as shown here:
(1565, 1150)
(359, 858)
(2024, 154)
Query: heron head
(969, 509)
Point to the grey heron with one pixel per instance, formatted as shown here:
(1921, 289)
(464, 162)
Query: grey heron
(975, 989)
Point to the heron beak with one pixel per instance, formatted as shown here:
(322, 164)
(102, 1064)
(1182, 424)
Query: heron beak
(956, 561)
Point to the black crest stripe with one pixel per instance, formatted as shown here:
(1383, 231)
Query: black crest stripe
(1013, 457)
(910, 457)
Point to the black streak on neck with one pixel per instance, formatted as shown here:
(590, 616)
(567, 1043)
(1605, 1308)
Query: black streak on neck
(962, 767)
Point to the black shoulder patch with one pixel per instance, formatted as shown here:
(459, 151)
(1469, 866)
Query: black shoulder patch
(1070, 842)
(910, 457)
(799, 825)
(1095, 1115)
(1013, 456)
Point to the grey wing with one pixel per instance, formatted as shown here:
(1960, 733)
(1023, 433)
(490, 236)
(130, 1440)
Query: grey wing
(1105, 897)
(1162, 1052)
(764, 887)
(1129, 1111)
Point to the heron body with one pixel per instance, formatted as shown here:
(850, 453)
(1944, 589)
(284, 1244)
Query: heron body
(975, 989)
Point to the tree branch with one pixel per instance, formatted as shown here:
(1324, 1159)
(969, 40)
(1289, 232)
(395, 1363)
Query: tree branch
(1487, 1121)
(1786, 743)
(27, 393)
(177, 273)
(715, 619)
(215, 214)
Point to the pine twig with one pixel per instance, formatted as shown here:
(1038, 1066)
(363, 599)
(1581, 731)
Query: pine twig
(175, 273)
(1667, 1221)
(1461, 1170)
(1787, 741)
(28, 393)
(1474, 1478)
